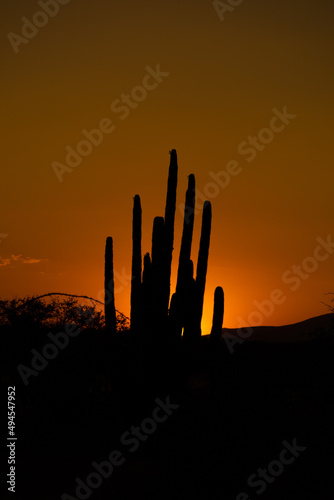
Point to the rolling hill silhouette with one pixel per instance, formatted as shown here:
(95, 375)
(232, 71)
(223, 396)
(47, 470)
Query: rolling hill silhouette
(303, 331)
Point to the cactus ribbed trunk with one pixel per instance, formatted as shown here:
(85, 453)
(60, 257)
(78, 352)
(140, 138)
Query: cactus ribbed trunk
(136, 265)
(109, 293)
(218, 313)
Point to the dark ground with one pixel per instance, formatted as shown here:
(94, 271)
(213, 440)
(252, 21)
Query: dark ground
(235, 410)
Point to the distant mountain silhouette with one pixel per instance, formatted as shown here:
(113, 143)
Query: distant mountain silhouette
(302, 331)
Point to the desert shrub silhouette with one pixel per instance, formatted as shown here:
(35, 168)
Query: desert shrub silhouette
(37, 313)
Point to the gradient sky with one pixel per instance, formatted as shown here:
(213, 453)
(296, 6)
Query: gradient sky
(225, 78)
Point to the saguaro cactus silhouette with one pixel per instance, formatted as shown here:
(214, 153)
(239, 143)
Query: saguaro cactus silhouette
(187, 234)
(202, 261)
(136, 265)
(218, 313)
(193, 295)
(169, 224)
(109, 294)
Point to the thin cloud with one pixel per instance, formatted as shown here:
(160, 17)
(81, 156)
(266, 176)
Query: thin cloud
(19, 259)
(4, 262)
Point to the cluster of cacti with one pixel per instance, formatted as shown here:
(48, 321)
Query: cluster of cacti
(151, 317)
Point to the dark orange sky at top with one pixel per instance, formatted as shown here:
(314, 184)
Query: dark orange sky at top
(244, 96)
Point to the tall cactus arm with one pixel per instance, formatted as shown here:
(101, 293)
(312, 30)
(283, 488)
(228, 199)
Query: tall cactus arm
(136, 264)
(109, 292)
(170, 219)
(187, 234)
(203, 254)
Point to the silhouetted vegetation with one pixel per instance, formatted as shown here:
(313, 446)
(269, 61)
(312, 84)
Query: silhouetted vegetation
(157, 325)
(52, 312)
(234, 410)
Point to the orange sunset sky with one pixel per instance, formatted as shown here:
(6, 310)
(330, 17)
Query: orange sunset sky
(223, 75)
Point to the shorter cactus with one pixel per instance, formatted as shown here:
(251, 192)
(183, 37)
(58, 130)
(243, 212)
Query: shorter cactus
(218, 313)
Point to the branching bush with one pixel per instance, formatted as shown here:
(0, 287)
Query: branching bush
(35, 313)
